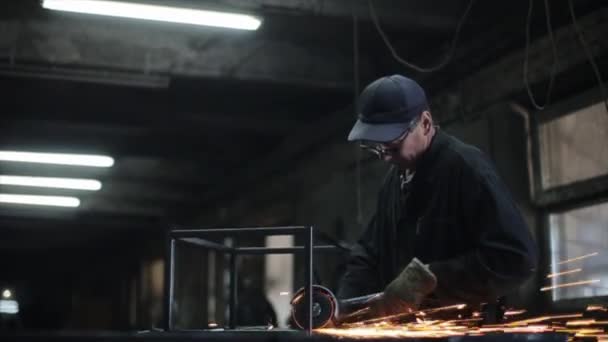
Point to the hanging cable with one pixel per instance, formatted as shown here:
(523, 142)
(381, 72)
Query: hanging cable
(596, 69)
(356, 85)
(437, 67)
(527, 57)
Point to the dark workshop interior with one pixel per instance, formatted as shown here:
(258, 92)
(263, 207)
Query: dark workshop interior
(164, 125)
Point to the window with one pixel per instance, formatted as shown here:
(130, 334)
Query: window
(579, 253)
(570, 183)
(574, 147)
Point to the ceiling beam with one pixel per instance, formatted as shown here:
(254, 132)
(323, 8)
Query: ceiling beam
(192, 123)
(165, 140)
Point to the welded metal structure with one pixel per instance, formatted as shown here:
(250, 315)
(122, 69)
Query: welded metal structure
(201, 238)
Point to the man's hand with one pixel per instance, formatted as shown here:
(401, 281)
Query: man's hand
(407, 291)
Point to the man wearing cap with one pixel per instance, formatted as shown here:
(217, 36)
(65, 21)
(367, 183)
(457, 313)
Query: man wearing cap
(446, 229)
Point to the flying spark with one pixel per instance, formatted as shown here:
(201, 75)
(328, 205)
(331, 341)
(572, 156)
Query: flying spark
(576, 283)
(578, 258)
(555, 275)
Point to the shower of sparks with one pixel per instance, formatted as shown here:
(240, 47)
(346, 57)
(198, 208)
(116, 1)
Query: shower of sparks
(541, 319)
(576, 325)
(414, 313)
(427, 329)
(558, 274)
(578, 258)
(425, 324)
(576, 283)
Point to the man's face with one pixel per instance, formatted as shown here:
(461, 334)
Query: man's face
(405, 150)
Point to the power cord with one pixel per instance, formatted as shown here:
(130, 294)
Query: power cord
(356, 86)
(526, 58)
(581, 38)
(437, 67)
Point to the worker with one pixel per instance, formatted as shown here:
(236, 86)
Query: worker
(446, 229)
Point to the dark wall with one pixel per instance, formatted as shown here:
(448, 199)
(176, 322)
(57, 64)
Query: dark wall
(79, 286)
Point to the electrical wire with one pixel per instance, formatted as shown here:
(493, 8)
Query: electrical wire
(596, 70)
(446, 59)
(527, 56)
(356, 86)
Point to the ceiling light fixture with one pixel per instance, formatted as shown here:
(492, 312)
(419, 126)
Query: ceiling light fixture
(10, 307)
(157, 13)
(52, 182)
(54, 201)
(57, 158)
(6, 294)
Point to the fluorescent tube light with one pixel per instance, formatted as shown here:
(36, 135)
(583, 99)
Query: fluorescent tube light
(54, 201)
(155, 12)
(51, 182)
(10, 307)
(57, 158)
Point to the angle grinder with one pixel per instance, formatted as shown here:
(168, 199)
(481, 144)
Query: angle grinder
(328, 311)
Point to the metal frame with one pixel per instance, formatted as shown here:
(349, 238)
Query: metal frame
(196, 236)
(562, 198)
(553, 198)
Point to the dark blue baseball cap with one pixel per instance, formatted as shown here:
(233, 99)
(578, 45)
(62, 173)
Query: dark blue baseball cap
(386, 108)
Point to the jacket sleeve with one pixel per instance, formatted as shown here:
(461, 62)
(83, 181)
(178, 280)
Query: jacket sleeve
(361, 276)
(505, 254)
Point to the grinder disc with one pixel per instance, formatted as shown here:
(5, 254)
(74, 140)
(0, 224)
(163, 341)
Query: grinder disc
(324, 307)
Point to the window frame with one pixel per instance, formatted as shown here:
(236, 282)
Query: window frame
(563, 304)
(562, 198)
(573, 192)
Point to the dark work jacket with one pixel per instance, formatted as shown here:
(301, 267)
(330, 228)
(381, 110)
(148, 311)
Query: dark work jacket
(455, 215)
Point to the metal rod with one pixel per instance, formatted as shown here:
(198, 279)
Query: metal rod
(282, 250)
(208, 244)
(233, 290)
(169, 284)
(195, 236)
(308, 255)
(185, 232)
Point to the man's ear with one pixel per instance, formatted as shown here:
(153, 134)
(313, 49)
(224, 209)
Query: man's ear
(427, 121)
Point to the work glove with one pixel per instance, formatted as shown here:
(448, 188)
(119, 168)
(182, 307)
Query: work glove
(406, 292)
